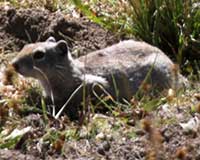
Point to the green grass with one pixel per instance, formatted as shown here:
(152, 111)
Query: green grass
(172, 26)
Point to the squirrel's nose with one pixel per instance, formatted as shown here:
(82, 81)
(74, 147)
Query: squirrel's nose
(15, 65)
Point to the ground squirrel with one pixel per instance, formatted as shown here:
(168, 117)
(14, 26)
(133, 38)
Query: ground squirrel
(119, 70)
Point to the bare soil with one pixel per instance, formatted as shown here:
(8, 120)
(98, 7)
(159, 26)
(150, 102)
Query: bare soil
(160, 136)
(19, 27)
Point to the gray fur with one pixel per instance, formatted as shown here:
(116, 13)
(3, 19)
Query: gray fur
(126, 63)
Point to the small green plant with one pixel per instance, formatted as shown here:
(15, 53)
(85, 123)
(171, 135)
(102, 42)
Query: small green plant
(44, 111)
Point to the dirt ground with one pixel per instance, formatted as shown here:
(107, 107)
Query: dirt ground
(159, 135)
(19, 27)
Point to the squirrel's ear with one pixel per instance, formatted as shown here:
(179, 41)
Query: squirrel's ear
(62, 46)
(51, 39)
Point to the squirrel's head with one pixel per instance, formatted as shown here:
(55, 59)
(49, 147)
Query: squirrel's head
(41, 57)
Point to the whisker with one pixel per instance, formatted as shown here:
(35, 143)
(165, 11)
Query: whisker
(49, 85)
(60, 66)
(60, 75)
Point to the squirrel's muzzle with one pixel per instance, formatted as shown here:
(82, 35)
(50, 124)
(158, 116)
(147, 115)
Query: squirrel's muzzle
(23, 66)
(15, 65)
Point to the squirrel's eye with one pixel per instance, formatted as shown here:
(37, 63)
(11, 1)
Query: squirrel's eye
(38, 55)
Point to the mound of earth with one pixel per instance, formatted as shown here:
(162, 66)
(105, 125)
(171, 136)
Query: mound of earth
(19, 27)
